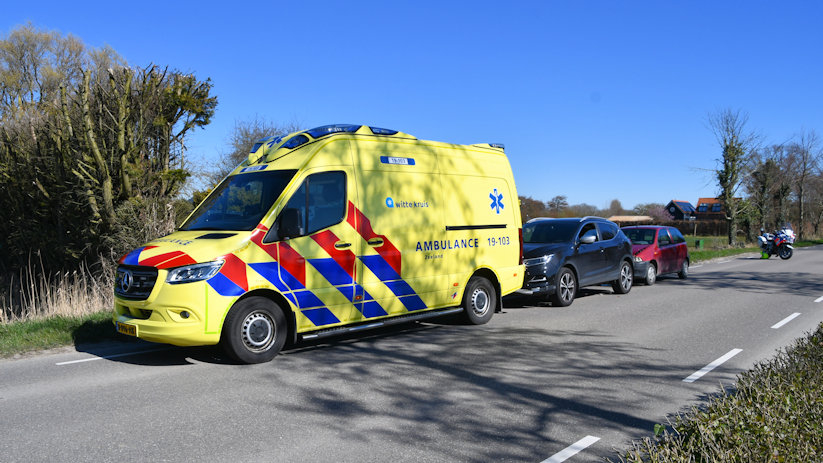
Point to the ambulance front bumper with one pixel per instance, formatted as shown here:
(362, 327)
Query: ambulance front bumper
(172, 314)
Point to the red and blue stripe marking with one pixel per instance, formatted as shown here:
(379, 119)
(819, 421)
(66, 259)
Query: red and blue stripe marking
(287, 271)
(386, 264)
(339, 270)
(161, 261)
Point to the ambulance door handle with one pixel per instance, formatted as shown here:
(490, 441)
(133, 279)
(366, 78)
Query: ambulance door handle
(375, 242)
(341, 245)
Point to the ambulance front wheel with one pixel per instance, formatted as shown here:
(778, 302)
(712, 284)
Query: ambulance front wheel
(479, 301)
(255, 330)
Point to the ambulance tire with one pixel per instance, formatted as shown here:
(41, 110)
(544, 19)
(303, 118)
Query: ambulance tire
(479, 301)
(254, 331)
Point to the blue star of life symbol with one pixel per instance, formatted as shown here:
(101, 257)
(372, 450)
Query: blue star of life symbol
(497, 201)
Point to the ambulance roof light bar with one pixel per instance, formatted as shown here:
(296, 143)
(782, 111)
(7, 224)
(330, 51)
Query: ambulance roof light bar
(318, 132)
(379, 131)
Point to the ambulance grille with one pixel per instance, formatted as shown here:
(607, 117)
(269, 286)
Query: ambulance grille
(134, 282)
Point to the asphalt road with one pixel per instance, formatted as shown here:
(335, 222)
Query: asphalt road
(537, 383)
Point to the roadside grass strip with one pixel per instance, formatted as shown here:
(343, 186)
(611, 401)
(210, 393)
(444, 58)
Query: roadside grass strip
(785, 320)
(700, 373)
(571, 450)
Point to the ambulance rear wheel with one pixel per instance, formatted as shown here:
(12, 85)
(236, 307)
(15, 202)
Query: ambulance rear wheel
(479, 301)
(254, 331)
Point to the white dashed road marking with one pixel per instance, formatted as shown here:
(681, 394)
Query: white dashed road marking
(785, 320)
(571, 450)
(698, 374)
(124, 354)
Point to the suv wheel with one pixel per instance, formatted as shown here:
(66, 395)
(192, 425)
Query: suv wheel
(623, 284)
(566, 288)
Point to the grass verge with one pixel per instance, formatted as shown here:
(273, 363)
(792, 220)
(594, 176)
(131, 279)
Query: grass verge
(32, 335)
(706, 254)
(773, 414)
(702, 255)
(806, 243)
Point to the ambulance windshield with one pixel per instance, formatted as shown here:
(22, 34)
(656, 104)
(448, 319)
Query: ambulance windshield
(240, 201)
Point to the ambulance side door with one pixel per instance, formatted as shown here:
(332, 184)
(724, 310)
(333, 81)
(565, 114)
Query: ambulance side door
(317, 249)
(399, 213)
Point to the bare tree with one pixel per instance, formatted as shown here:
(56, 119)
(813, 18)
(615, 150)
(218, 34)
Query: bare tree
(805, 155)
(816, 202)
(241, 140)
(655, 210)
(581, 210)
(531, 208)
(557, 204)
(615, 208)
(768, 186)
(737, 144)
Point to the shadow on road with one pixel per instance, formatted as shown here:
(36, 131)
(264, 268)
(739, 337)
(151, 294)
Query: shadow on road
(502, 392)
(773, 277)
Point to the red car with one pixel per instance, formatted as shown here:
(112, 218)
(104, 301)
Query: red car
(658, 250)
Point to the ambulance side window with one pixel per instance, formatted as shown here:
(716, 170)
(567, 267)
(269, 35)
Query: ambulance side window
(320, 202)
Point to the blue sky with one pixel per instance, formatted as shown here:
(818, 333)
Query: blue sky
(594, 100)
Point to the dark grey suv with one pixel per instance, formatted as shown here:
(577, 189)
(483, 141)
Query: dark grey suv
(563, 255)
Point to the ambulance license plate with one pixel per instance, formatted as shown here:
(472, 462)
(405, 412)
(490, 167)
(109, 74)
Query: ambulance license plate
(130, 330)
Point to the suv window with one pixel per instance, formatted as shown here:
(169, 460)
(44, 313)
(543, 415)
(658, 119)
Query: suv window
(608, 230)
(588, 230)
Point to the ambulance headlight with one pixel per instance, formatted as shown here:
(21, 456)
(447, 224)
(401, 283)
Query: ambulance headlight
(192, 273)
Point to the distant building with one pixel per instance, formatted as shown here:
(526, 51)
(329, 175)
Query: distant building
(681, 210)
(630, 219)
(710, 209)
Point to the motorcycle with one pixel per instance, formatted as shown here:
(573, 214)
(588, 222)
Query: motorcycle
(779, 242)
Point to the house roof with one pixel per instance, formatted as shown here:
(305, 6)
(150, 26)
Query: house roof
(707, 201)
(684, 206)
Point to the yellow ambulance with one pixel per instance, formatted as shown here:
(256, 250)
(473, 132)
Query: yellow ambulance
(325, 231)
